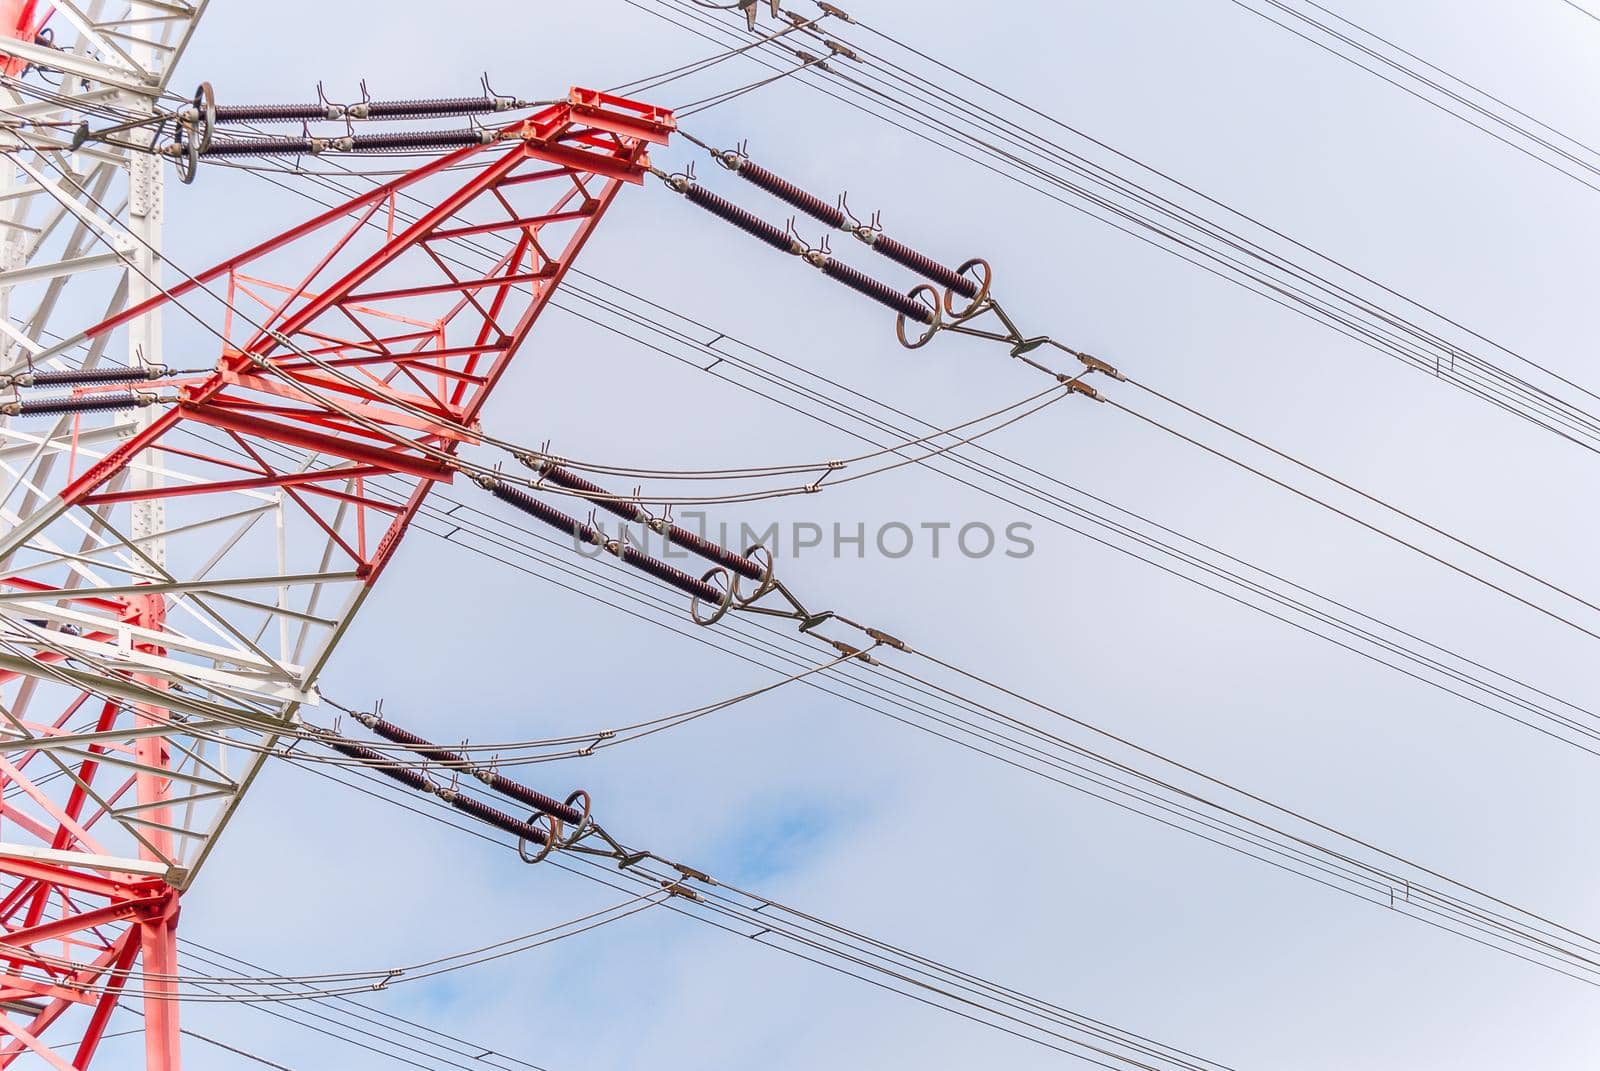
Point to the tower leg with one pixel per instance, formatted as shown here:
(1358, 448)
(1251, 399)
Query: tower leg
(159, 946)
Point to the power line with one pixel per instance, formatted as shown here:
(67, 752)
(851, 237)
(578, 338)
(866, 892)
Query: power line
(1503, 128)
(1139, 211)
(1030, 749)
(985, 309)
(884, 965)
(1363, 634)
(1579, 7)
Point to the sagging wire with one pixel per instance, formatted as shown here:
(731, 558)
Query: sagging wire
(835, 269)
(476, 758)
(980, 304)
(1471, 681)
(453, 761)
(363, 1025)
(268, 989)
(450, 460)
(1491, 383)
(1470, 937)
(1132, 789)
(699, 895)
(1455, 909)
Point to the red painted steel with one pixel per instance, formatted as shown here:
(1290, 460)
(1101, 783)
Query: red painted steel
(21, 20)
(426, 340)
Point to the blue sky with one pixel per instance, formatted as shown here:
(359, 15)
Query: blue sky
(865, 821)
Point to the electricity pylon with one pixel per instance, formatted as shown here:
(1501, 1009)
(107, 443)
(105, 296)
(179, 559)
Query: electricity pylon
(193, 508)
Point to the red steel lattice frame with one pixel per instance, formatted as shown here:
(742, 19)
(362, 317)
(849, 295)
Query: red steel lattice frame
(427, 343)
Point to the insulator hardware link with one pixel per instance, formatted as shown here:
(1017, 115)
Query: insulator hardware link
(1095, 364)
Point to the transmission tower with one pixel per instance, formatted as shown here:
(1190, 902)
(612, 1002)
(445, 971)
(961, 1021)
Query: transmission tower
(186, 537)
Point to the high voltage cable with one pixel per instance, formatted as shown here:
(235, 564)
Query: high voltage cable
(650, 82)
(1366, 524)
(1499, 588)
(185, 988)
(1461, 917)
(1565, 723)
(1221, 205)
(351, 1015)
(1025, 743)
(1429, 663)
(1580, 8)
(720, 356)
(1325, 301)
(189, 1032)
(1498, 125)
(984, 305)
(878, 963)
(362, 1025)
(823, 467)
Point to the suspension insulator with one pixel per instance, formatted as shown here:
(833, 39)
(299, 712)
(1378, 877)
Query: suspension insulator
(277, 113)
(925, 266)
(533, 798)
(522, 500)
(746, 221)
(90, 377)
(413, 778)
(85, 403)
(784, 190)
(667, 574)
(429, 108)
(407, 776)
(262, 147)
(417, 139)
(470, 805)
(698, 544)
(628, 511)
(882, 293)
(703, 590)
(503, 785)
(632, 511)
(390, 731)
